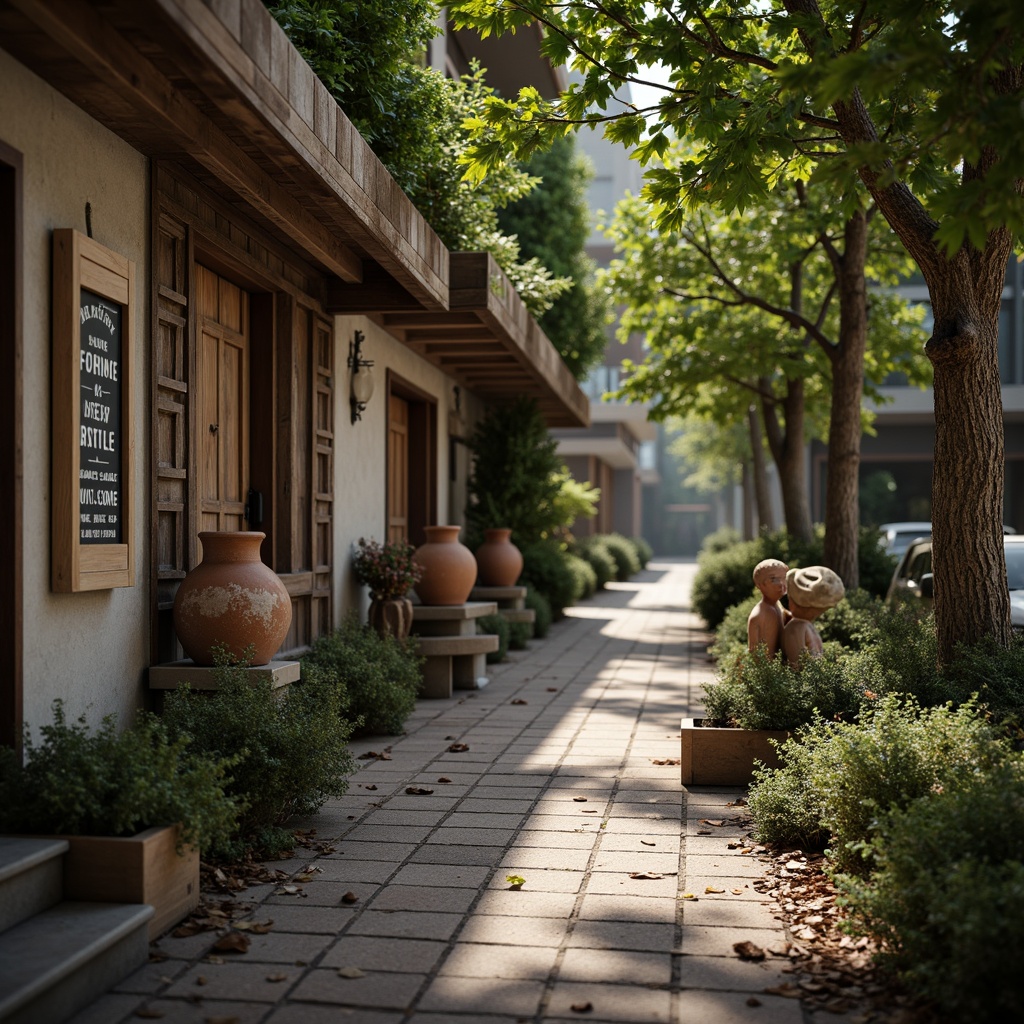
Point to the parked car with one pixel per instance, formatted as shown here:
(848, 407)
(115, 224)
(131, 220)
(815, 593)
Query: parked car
(912, 580)
(896, 537)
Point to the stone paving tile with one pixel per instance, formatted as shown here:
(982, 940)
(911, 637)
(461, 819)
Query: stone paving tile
(599, 907)
(625, 841)
(178, 1011)
(474, 960)
(611, 1002)
(382, 852)
(731, 1008)
(730, 972)
(514, 931)
(457, 853)
(524, 903)
(565, 840)
(482, 819)
(620, 966)
(406, 924)
(319, 894)
(745, 867)
(731, 912)
(310, 1013)
(311, 920)
(453, 875)
(539, 880)
(244, 982)
(286, 948)
(368, 952)
(644, 859)
(337, 869)
(622, 935)
(384, 990)
(617, 883)
(394, 833)
(110, 1007)
(700, 940)
(421, 897)
(487, 995)
(491, 805)
(451, 836)
(545, 857)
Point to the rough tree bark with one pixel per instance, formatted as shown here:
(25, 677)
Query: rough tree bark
(842, 515)
(762, 497)
(787, 448)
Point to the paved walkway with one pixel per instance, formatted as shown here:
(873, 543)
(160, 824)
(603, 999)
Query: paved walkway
(559, 785)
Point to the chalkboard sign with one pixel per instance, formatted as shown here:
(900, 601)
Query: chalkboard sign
(99, 417)
(92, 535)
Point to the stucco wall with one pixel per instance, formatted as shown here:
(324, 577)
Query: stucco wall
(360, 482)
(90, 649)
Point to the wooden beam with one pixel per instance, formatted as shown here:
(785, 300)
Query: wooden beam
(117, 64)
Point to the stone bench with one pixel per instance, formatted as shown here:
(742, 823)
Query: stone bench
(511, 602)
(456, 656)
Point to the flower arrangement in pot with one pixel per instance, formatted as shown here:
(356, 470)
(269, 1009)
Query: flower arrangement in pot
(389, 571)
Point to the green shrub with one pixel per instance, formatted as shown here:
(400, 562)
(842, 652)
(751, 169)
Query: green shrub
(782, 801)
(852, 622)
(110, 783)
(497, 625)
(519, 634)
(644, 551)
(541, 612)
(994, 673)
(379, 676)
(290, 750)
(722, 539)
(584, 579)
(594, 551)
(757, 692)
(856, 775)
(946, 900)
(546, 571)
(622, 549)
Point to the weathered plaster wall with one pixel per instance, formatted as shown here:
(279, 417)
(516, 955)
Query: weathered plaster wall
(360, 482)
(90, 649)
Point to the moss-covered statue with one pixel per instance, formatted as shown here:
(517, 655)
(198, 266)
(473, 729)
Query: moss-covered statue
(811, 590)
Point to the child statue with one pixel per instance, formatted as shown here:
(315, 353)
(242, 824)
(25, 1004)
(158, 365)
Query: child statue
(811, 591)
(767, 618)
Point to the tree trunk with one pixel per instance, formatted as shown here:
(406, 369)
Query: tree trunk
(765, 519)
(842, 515)
(787, 447)
(747, 488)
(968, 560)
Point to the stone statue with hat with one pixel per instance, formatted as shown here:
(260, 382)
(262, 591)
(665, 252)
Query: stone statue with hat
(811, 590)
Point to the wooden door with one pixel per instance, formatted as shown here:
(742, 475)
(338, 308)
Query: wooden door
(398, 468)
(222, 375)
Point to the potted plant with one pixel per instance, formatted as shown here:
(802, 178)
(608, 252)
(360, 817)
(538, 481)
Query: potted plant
(389, 571)
(133, 806)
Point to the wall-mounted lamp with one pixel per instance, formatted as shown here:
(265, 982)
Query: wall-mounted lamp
(361, 384)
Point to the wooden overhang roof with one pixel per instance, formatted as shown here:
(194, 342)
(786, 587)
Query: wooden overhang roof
(218, 89)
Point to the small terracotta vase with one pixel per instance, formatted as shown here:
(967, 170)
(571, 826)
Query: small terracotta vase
(449, 568)
(391, 617)
(232, 598)
(499, 561)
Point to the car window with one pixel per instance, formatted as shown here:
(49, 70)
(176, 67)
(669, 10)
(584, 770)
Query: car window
(920, 564)
(1015, 566)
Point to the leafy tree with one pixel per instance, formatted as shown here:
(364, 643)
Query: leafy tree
(369, 56)
(552, 224)
(790, 271)
(918, 101)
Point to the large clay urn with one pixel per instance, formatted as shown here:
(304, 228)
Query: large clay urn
(498, 560)
(449, 568)
(232, 598)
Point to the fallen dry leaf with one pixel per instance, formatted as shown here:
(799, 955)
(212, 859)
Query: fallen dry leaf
(787, 989)
(519, 700)
(254, 926)
(648, 842)
(277, 977)
(644, 875)
(375, 755)
(688, 896)
(581, 1007)
(580, 799)
(665, 760)
(736, 892)
(713, 889)
(753, 1001)
(202, 980)
(588, 810)
(748, 950)
(233, 942)
(458, 748)
(552, 689)
(444, 778)
(370, 786)
(350, 972)
(213, 960)
(287, 890)
(703, 831)
(418, 791)
(350, 897)
(717, 822)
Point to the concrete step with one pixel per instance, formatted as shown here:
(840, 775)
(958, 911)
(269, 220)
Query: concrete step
(65, 957)
(31, 877)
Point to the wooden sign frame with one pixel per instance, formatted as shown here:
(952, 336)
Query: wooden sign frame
(93, 433)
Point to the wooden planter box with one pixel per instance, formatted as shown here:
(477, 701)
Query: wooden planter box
(711, 756)
(144, 868)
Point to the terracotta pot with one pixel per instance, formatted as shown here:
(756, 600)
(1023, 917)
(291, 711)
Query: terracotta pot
(499, 561)
(232, 598)
(449, 568)
(392, 617)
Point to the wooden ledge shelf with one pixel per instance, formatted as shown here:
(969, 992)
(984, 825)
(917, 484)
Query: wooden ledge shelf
(201, 677)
